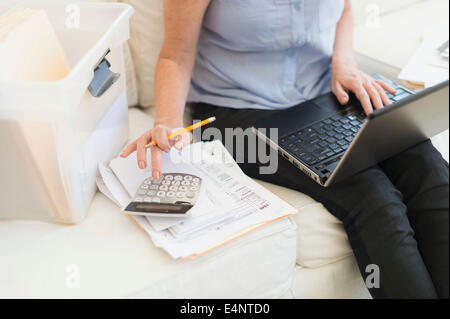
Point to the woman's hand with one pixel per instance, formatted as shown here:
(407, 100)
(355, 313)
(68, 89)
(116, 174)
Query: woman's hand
(159, 134)
(370, 92)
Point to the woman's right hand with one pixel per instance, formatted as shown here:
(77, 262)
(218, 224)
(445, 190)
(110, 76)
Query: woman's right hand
(159, 134)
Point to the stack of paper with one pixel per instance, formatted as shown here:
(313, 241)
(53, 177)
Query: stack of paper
(230, 203)
(428, 67)
(29, 48)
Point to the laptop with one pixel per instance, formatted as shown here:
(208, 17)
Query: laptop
(330, 142)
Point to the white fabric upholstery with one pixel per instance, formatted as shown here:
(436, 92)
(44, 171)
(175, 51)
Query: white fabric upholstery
(338, 280)
(321, 237)
(115, 258)
(132, 89)
(147, 34)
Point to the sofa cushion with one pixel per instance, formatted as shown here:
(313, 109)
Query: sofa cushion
(321, 236)
(338, 280)
(147, 35)
(109, 256)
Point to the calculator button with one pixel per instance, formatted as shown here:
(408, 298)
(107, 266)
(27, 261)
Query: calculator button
(193, 188)
(178, 178)
(148, 181)
(185, 182)
(147, 199)
(142, 192)
(190, 195)
(170, 194)
(155, 187)
(151, 193)
(163, 187)
(188, 178)
(175, 183)
(196, 179)
(180, 194)
(173, 188)
(168, 177)
(138, 199)
(157, 181)
(161, 194)
(183, 188)
(194, 183)
(144, 186)
(166, 182)
(156, 200)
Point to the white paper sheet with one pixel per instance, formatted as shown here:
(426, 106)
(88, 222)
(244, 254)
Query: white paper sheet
(203, 206)
(241, 193)
(105, 190)
(427, 66)
(230, 205)
(114, 186)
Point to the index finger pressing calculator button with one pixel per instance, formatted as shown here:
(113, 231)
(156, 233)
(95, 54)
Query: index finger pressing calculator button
(173, 195)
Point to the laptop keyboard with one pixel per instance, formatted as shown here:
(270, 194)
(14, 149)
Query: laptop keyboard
(330, 137)
(323, 139)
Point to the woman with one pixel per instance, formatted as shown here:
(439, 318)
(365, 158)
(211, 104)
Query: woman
(246, 58)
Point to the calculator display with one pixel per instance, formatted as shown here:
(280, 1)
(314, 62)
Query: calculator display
(159, 207)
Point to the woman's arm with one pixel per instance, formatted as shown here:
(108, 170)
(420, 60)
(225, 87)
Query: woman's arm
(345, 74)
(343, 45)
(182, 22)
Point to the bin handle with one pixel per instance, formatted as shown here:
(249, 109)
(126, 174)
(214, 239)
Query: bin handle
(104, 78)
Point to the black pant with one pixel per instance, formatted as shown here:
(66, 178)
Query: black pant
(396, 214)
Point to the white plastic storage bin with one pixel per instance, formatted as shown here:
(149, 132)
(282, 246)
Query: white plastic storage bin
(53, 134)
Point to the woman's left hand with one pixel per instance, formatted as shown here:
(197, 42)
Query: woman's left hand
(346, 77)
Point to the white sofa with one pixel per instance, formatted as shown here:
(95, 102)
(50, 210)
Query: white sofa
(108, 255)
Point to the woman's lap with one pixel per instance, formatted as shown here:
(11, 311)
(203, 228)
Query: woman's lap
(424, 182)
(375, 207)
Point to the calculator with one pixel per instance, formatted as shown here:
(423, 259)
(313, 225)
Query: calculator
(173, 195)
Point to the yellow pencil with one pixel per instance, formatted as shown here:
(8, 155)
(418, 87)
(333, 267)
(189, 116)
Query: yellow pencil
(183, 130)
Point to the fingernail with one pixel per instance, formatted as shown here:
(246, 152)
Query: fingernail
(156, 175)
(141, 164)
